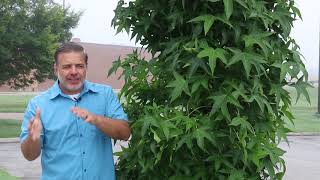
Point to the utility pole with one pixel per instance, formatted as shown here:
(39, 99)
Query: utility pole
(63, 4)
(319, 75)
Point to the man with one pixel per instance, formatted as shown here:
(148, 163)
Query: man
(72, 123)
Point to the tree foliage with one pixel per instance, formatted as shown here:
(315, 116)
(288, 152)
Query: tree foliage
(29, 33)
(211, 103)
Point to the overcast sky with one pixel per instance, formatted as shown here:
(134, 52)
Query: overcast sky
(95, 27)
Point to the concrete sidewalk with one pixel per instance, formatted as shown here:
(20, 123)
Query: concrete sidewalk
(12, 160)
(17, 116)
(14, 163)
(302, 159)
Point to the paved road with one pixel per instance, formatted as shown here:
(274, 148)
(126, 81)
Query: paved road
(302, 159)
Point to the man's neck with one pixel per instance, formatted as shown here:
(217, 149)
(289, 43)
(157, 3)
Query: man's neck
(70, 92)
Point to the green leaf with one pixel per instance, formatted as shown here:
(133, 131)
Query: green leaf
(147, 122)
(166, 127)
(242, 122)
(195, 64)
(183, 4)
(200, 18)
(285, 20)
(180, 85)
(208, 21)
(185, 140)
(296, 11)
(243, 4)
(115, 66)
(248, 59)
(236, 175)
(301, 88)
(213, 55)
(218, 101)
(207, 24)
(260, 39)
(166, 132)
(201, 135)
(236, 121)
(225, 111)
(195, 86)
(289, 115)
(228, 8)
(155, 136)
(256, 157)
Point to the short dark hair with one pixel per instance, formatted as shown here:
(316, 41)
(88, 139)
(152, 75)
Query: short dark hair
(70, 47)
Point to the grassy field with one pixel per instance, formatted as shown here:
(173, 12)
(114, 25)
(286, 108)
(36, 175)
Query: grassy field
(5, 176)
(14, 103)
(305, 113)
(9, 128)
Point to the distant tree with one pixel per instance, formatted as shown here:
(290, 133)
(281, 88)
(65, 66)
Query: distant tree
(30, 30)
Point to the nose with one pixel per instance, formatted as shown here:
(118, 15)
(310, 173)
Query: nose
(74, 70)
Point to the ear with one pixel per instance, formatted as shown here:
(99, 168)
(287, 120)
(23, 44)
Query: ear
(55, 68)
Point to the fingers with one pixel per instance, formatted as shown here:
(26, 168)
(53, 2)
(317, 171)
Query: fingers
(80, 112)
(30, 124)
(84, 114)
(37, 114)
(35, 128)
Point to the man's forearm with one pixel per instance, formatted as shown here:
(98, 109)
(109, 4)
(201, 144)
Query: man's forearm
(31, 148)
(116, 129)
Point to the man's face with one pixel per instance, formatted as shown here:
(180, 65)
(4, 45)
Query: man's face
(71, 71)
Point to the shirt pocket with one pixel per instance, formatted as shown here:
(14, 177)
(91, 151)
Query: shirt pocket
(92, 130)
(56, 137)
(51, 142)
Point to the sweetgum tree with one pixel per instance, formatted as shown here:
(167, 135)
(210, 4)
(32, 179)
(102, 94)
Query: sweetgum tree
(211, 103)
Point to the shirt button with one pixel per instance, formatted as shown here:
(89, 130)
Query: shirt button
(83, 152)
(80, 135)
(85, 170)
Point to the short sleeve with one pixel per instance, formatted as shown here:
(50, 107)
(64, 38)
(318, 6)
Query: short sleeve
(29, 113)
(113, 107)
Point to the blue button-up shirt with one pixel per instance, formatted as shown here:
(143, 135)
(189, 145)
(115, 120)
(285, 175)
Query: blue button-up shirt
(72, 148)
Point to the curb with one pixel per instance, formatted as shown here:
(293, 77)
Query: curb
(9, 140)
(17, 140)
(304, 134)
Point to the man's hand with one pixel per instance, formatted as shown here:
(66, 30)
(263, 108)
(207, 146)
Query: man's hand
(35, 126)
(85, 115)
(116, 129)
(31, 147)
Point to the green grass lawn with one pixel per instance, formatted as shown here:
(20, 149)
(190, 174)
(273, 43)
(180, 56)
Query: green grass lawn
(305, 121)
(14, 103)
(305, 113)
(9, 128)
(6, 176)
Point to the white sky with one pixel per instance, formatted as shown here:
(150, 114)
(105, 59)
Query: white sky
(95, 27)
(306, 33)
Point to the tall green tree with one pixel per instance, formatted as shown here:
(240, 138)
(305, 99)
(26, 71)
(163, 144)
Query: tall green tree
(30, 30)
(212, 102)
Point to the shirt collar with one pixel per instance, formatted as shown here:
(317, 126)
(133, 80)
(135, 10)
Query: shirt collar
(56, 91)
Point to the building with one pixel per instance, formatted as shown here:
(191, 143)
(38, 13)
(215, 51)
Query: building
(100, 61)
